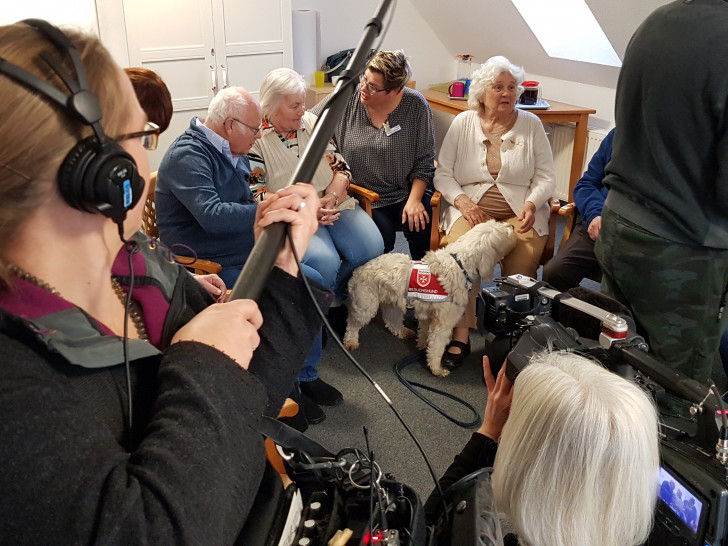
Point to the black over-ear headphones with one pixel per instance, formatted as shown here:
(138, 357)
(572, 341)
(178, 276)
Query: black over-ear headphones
(97, 174)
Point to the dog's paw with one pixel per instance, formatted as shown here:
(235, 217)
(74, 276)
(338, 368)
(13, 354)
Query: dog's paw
(351, 345)
(406, 333)
(439, 371)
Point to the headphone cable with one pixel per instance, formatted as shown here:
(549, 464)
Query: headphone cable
(131, 248)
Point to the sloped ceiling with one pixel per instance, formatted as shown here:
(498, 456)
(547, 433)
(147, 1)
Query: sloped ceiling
(494, 27)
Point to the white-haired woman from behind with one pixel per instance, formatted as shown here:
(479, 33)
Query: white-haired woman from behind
(575, 456)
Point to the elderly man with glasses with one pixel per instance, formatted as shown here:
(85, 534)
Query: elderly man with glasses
(205, 204)
(203, 195)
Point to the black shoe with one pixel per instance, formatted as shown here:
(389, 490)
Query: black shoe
(321, 392)
(452, 360)
(298, 421)
(313, 412)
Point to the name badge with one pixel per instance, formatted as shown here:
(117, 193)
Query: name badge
(389, 131)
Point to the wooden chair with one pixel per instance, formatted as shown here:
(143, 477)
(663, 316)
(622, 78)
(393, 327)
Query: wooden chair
(149, 226)
(366, 197)
(548, 251)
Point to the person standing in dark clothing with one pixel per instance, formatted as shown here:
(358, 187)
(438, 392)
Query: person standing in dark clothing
(663, 246)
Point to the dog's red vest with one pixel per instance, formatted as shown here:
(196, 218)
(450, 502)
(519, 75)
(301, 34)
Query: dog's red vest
(423, 285)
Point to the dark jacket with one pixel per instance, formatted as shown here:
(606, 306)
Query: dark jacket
(188, 469)
(669, 168)
(590, 191)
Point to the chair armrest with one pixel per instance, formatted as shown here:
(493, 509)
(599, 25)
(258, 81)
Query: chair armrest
(289, 409)
(435, 220)
(568, 211)
(198, 266)
(366, 197)
(548, 251)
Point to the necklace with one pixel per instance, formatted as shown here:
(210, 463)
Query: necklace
(134, 312)
(22, 274)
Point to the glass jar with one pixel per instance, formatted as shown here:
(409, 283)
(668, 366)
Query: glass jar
(464, 67)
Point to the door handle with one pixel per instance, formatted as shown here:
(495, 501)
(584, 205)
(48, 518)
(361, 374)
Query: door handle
(224, 77)
(213, 75)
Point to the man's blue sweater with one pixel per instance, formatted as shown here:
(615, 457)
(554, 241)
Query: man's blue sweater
(204, 202)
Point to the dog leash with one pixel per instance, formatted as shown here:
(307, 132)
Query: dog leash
(399, 366)
(468, 280)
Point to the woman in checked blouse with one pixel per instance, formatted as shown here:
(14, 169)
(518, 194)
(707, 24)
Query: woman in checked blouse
(386, 135)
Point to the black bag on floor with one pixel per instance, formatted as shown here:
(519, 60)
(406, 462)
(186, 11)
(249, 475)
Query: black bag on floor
(345, 494)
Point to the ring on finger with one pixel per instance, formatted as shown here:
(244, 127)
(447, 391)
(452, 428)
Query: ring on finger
(302, 204)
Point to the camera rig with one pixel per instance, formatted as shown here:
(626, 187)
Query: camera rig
(521, 316)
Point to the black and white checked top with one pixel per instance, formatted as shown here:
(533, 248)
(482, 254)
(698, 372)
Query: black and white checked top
(387, 159)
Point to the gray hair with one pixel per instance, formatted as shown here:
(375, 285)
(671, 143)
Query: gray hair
(277, 84)
(486, 75)
(228, 103)
(578, 459)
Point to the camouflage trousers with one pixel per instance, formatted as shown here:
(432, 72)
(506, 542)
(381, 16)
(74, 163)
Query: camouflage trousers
(675, 292)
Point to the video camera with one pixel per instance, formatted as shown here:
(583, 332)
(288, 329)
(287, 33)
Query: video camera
(522, 316)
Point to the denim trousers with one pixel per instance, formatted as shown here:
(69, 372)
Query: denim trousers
(337, 250)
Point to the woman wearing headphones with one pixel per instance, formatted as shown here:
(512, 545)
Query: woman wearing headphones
(124, 422)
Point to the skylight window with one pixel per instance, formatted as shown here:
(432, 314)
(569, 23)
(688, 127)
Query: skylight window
(567, 29)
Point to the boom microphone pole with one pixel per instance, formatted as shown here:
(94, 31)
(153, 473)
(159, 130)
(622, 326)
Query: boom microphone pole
(260, 262)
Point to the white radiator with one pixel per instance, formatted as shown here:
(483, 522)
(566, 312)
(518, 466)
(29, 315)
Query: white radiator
(562, 142)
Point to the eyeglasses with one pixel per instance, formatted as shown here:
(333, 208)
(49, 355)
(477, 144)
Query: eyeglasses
(253, 130)
(149, 136)
(371, 89)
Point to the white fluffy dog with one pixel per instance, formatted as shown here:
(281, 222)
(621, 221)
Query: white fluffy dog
(385, 280)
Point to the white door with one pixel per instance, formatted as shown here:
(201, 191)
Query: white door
(201, 46)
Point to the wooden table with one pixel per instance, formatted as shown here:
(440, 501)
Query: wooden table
(559, 112)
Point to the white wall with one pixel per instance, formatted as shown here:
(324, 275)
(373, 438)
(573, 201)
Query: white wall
(81, 13)
(342, 24)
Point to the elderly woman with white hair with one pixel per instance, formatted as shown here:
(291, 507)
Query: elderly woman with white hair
(495, 163)
(574, 450)
(347, 237)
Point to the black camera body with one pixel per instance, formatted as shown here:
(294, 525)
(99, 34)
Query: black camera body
(692, 508)
(507, 304)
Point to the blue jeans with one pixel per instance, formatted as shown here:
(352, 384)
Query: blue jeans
(389, 222)
(336, 251)
(309, 372)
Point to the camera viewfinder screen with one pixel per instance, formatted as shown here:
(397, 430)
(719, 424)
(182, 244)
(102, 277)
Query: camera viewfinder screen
(678, 498)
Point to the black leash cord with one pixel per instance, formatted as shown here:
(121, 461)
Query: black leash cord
(399, 366)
